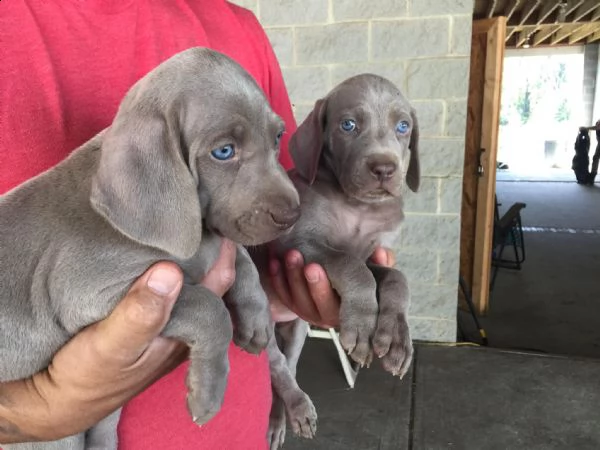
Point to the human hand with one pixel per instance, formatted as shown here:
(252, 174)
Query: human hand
(304, 290)
(107, 363)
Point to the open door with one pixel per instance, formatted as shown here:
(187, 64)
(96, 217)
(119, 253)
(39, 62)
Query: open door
(481, 141)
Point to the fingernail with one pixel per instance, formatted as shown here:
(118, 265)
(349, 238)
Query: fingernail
(313, 276)
(164, 281)
(292, 262)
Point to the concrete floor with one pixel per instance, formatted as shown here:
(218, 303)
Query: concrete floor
(476, 398)
(454, 398)
(553, 304)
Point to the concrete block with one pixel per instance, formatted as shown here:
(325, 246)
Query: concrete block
(252, 5)
(306, 84)
(367, 9)
(448, 267)
(434, 300)
(432, 330)
(431, 117)
(451, 195)
(393, 71)
(301, 111)
(460, 37)
(426, 199)
(442, 157)
(282, 41)
(441, 78)
(419, 266)
(328, 44)
(439, 7)
(430, 232)
(456, 118)
(293, 12)
(409, 38)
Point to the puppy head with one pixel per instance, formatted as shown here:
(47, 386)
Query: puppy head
(194, 139)
(366, 133)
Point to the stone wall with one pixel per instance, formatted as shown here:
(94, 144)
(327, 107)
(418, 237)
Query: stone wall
(423, 46)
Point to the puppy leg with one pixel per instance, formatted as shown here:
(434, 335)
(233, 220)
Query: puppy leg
(356, 286)
(298, 406)
(200, 319)
(75, 442)
(249, 306)
(103, 435)
(392, 342)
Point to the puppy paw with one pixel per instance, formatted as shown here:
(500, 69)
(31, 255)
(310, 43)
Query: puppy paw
(253, 330)
(392, 343)
(302, 416)
(277, 427)
(206, 382)
(356, 331)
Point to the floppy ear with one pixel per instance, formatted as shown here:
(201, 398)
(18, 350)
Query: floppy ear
(413, 174)
(306, 144)
(143, 186)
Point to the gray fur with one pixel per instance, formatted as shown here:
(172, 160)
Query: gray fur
(350, 187)
(74, 239)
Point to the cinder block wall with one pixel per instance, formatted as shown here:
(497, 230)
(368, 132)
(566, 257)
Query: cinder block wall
(591, 61)
(423, 46)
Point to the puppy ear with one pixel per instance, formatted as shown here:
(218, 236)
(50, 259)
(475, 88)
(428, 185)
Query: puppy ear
(306, 144)
(143, 186)
(413, 174)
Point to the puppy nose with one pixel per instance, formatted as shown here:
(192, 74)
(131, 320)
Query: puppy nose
(382, 171)
(285, 218)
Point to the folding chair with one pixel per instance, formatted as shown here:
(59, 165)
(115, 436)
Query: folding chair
(508, 232)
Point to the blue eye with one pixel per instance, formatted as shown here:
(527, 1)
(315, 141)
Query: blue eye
(402, 127)
(223, 153)
(348, 125)
(278, 138)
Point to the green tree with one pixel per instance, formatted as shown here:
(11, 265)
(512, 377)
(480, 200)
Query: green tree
(523, 104)
(563, 113)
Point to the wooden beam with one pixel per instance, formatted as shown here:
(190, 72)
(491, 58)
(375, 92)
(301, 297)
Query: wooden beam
(546, 10)
(544, 33)
(572, 5)
(585, 9)
(491, 9)
(510, 9)
(583, 32)
(594, 37)
(596, 16)
(564, 32)
(524, 34)
(527, 10)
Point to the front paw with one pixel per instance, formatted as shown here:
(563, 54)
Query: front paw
(253, 330)
(357, 326)
(392, 343)
(302, 415)
(206, 382)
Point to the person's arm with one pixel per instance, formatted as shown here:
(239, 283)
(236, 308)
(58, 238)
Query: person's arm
(107, 363)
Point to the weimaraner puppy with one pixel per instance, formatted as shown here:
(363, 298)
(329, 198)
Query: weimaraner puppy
(353, 154)
(190, 156)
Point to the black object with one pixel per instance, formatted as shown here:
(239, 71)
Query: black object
(469, 301)
(581, 160)
(508, 231)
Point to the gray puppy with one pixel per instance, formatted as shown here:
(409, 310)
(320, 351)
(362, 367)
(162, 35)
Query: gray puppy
(191, 156)
(352, 154)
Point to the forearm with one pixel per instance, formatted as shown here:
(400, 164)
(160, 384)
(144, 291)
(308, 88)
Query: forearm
(20, 406)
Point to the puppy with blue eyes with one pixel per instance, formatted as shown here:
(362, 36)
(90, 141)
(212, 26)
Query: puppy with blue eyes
(190, 157)
(353, 155)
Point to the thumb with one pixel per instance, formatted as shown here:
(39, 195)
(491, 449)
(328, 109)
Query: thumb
(141, 315)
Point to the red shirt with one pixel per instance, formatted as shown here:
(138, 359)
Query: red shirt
(65, 66)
